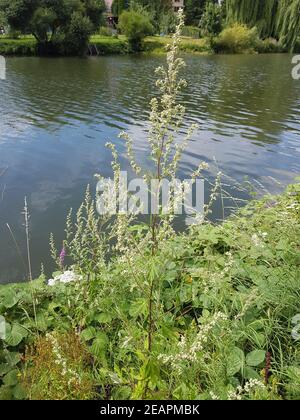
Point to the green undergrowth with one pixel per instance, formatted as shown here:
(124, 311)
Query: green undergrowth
(224, 325)
(25, 46)
(109, 45)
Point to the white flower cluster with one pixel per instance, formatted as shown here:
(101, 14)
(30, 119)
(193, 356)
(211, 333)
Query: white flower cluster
(213, 396)
(66, 277)
(189, 352)
(258, 239)
(61, 361)
(248, 387)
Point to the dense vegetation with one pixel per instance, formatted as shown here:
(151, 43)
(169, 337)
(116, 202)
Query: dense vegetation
(224, 304)
(137, 310)
(273, 18)
(64, 27)
(60, 27)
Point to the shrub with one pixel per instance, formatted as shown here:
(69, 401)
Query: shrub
(269, 45)
(105, 31)
(136, 27)
(167, 23)
(191, 31)
(237, 39)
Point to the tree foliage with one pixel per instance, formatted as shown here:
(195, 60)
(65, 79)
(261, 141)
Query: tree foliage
(118, 6)
(63, 23)
(273, 18)
(136, 26)
(193, 11)
(211, 20)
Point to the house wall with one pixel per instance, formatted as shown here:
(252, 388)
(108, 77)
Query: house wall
(178, 4)
(108, 4)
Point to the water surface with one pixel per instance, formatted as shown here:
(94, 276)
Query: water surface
(57, 114)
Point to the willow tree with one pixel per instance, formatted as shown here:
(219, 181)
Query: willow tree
(288, 22)
(273, 18)
(261, 14)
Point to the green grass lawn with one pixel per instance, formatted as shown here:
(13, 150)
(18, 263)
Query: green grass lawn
(26, 45)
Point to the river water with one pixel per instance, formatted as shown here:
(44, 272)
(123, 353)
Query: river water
(57, 114)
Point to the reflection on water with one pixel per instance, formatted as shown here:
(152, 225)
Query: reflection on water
(57, 114)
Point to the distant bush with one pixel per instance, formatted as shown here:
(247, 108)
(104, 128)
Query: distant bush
(14, 34)
(191, 31)
(136, 27)
(105, 31)
(167, 23)
(196, 46)
(237, 39)
(270, 45)
(22, 47)
(109, 45)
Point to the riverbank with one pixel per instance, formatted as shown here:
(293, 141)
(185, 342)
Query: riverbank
(225, 327)
(110, 45)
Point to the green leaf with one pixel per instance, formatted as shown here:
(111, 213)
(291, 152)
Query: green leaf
(103, 318)
(256, 357)
(5, 393)
(19, 392)
(235, 361)
(138, 307)
(13, 358)
(15, 335)
(88, 334)
(4, 368)
(9, 298)
(250, 373)
(11, 378)
(99, 344)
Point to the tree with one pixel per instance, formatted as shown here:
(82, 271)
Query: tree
(211, 20)
(3, 20)
(136, 27)
(261, 14)
(288, 23)
(193, 10)
(157, 9)
(58, 25)
(118, 6)
(273, 18)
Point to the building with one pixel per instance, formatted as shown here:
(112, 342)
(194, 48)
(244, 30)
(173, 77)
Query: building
(177, 4)
(108, 5)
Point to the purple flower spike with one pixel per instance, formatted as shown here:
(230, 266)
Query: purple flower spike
(62, 256)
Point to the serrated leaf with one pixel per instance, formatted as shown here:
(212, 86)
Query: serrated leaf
(138, 307)
(88, 334)
(99, 344)
(256, 357)
(103, 318)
